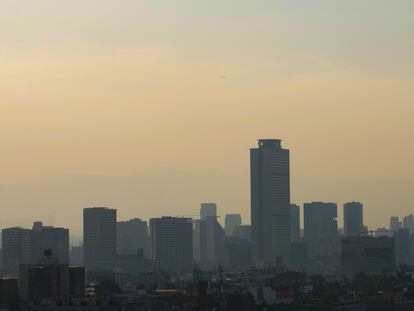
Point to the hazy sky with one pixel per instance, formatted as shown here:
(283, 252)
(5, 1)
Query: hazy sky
(117, 88)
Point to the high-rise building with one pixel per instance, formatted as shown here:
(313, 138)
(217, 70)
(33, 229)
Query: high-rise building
(321, 232)
(131, 236)
(208, 210)
(212, 238)
(395, 224)
(408, 223)
(270, 203)
(294, 222)
(172, 243)
(231, 222)
(99, 238)
(196, 240)
(16, 248)
(51, 238)
(402, 246)
(353, 219)
(320, 219)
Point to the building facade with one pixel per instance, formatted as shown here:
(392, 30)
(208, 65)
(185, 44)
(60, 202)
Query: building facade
(172, 243)
(99, 238)
(270, 203)
(16, 248)
(132, 235)
(353, 219)
(231, 222)
(294, 222)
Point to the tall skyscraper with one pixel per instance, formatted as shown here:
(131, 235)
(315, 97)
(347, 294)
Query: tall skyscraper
(131, 236)
(395, 224)
(294, 222)
(99, 238)
(320, 219)
(353, 219)
(208, 210)
(172, 242)
(16, 248)
(408, 223)
(321, 232)
(51, 238)
(270, 202)
(231, 222)
(212, 236)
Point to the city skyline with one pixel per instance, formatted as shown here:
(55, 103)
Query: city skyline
(106, 101)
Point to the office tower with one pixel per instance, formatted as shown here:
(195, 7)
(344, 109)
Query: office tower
(232, 221)
(321, 232)
(47, 237)
(208, 210)
(212, 238)
(99, 238)
(367, 254)
(320, 219)
(172, 243)
(270, 203)
(17, 248)
(132, 236)
(294, 222)
(402, 246)
(395, 224)
(196, 240)
(408, 223)
(353, 219)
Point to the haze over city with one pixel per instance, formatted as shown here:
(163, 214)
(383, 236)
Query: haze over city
(151, 107)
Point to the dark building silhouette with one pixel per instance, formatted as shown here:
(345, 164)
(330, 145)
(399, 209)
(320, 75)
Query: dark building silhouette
(16, 248)
(402, 242)
(99, 238)
(232, 221)
(8, 293)
(270, 203)
(132, 235)
(353, 219)
(51, 280)
(395, 223)
(212, 239)
(172, 243)
(320, 219)
(294, 222)
(321, 232)
(48, 237)
(243, 232)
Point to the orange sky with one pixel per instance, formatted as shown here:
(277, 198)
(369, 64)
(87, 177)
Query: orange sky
(116, 88)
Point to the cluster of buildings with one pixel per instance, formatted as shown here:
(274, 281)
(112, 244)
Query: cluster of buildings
(135, 252)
